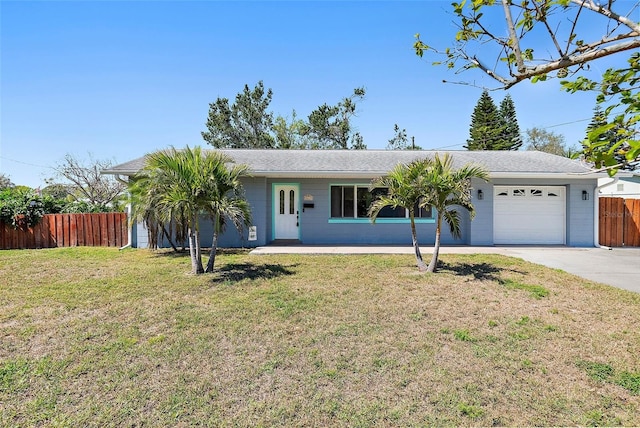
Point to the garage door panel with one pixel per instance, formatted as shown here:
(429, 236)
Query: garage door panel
(529, 215)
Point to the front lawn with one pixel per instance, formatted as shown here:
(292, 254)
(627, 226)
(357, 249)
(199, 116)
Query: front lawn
(101, 337)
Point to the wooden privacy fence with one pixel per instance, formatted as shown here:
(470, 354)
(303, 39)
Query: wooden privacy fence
(68, 230)
(619, 222)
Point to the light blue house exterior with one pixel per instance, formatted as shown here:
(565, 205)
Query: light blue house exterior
(320, 198)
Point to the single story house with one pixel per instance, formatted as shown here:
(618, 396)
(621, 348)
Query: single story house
(626, 186)
(320, 197)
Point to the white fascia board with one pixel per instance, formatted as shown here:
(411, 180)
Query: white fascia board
(551, 175)
(118, 172)
(374, 174)
(317, 174)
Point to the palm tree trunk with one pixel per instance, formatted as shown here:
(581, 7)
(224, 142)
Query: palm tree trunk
(164, 231)
(422, 266)
(194, 247)
(436, 247)
(214, 244)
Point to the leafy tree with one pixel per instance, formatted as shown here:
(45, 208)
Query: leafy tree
(329, 127)
(20, 207)
(549, 142)
(87, 183)
(423, 183)
(183, 183)
(244, 124)
(5, 182)
(291, 134)
(510, 138)
(445, 189)
(520, 53)
(486, 128)
(23, 207)
(405, 186)
(400, 140)
(144, 200)
(227, 202)
(606, 143)
(58, 191)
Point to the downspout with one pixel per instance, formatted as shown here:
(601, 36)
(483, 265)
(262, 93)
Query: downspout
(129, 228)
(596, 213)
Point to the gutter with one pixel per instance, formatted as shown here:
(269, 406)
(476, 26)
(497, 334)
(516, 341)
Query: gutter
(129, 228)
(119, 178)
(596, 213)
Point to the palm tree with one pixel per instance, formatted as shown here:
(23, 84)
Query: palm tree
(444, 189)
(226, 201)
(405, 186)
(185, 183)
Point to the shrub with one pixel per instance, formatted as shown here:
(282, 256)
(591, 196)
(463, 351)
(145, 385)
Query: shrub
(21, 207)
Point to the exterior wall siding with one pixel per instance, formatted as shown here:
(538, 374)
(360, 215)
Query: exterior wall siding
(580, 214)
(316, 229)
(258, 196)
(481, 227)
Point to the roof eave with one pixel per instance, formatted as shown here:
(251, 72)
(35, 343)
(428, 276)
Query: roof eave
(552, 175)
(373, 174)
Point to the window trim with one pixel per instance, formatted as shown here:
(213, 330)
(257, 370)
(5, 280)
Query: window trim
(367, 220)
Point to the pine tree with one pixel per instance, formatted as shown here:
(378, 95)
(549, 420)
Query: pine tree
(486, 127)
(494, 128)
(244, 124)
(511, 138)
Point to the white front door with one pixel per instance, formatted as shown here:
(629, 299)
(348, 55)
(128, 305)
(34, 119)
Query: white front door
(286, 211)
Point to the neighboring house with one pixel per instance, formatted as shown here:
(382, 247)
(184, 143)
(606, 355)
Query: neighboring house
(321, 197)
(627, 187)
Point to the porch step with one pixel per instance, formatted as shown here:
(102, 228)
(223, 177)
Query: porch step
(285, 242)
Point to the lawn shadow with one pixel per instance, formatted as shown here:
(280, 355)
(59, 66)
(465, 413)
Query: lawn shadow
(239, 271)
(481, 271)
(182, 253)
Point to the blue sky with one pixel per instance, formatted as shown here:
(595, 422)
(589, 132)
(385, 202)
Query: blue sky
(120, 79)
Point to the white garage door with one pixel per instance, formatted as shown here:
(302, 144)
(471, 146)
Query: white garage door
(529, 215)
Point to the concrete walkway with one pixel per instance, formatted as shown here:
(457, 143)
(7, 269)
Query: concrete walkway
(619, 267)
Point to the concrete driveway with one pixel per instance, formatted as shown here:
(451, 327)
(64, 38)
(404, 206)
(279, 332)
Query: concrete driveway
(619, 267)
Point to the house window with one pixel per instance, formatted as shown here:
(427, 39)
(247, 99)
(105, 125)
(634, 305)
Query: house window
(536, 192)
(292, 196)
(519, 192)
(352, 201)
(282, 202)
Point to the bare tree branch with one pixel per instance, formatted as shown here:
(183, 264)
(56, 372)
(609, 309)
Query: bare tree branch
(87, 182)
(514, 41)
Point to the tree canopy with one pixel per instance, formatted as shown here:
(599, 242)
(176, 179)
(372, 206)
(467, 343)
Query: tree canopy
(330, 126)
(540, 39)
(546, 141)
(400, 141)
(405, 185)
(424, 183)
(494, 128)
(182, 184)
(86, 183)
(248, 123)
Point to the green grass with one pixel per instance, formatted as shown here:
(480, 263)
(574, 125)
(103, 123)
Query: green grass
(100, 337)
(604, 372)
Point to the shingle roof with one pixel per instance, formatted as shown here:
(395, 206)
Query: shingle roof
(343, 163)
